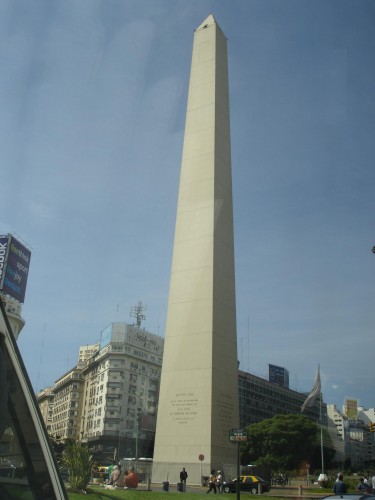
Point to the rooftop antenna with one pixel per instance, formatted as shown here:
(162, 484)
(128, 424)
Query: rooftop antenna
(137, 312)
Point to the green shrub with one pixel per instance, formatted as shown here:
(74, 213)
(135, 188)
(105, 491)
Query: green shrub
(78, 463)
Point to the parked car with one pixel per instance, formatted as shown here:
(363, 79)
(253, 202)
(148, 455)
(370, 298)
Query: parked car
(247, 483)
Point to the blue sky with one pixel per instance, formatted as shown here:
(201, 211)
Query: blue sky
(93, 98)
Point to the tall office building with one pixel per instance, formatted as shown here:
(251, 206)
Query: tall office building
(198, 403)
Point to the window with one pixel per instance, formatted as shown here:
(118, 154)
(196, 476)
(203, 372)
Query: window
(33, 470)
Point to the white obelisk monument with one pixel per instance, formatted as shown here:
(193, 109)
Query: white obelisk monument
(198, 403)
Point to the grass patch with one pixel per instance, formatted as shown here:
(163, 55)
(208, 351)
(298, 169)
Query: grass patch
(131, 495)
(102, 494)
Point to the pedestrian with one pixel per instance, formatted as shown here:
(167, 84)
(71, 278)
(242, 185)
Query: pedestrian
(362, 487)
(131, 480)
(116, 479)
(367, 481)
(183, 477)
(339, 488)
(212, 482)
(219, 481)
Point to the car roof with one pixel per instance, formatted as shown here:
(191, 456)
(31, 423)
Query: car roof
(253, 477)
(348, 496)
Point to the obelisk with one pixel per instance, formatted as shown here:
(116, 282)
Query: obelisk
(198, 403)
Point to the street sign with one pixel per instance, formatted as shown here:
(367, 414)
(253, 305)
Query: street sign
(237, 435)
(201, 457)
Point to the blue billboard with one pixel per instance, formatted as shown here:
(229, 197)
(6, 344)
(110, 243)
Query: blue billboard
(14, 267)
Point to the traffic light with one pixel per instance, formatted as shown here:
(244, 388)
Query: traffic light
(372, 427)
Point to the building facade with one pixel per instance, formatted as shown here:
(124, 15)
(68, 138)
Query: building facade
(354, 440)
(45, 400)
(121, 391)
(337, 425)
(109, 400)
(13, 309)
(260, 399)
(86, 352)
(66, 413)
(360, 444)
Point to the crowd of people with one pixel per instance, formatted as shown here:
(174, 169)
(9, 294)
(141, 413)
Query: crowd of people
(120, 479)
(129, 479)
(366, 485)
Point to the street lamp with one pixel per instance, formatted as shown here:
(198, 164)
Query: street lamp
(118, 445)
(137, 426)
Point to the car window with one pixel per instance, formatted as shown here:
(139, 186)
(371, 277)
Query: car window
(28, 468)
(248, 480)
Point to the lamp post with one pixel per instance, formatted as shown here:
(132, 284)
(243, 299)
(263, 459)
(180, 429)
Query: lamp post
(137, 426)
(118, 445)
(238, 436)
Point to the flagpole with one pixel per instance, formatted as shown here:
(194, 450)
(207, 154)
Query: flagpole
(309, 402)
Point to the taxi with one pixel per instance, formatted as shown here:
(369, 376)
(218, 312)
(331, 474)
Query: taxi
(252, 484)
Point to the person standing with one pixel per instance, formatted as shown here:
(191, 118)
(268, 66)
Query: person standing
(212, 482)
(219, 481)
(183, 477)
(339, 488)
(362, 487)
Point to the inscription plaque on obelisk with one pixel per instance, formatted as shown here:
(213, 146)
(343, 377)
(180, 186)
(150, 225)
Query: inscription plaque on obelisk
(198, 403)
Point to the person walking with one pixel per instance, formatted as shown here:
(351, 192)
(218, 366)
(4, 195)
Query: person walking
(212, 482)
(183, 477)
(339, 488)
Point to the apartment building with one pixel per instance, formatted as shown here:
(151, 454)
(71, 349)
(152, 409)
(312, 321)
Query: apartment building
(66, 413)
(353, 432)
(87, 351)
(45, 399)
(121, 391)
(337, 425)
(360, 443)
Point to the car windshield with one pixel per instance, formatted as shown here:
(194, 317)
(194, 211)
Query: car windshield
(27, 466)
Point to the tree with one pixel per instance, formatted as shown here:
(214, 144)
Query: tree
(285, 442)
(78, 463)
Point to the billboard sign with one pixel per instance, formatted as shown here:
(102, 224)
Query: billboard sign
(106, 336)
(14, 267)
(4, 244)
